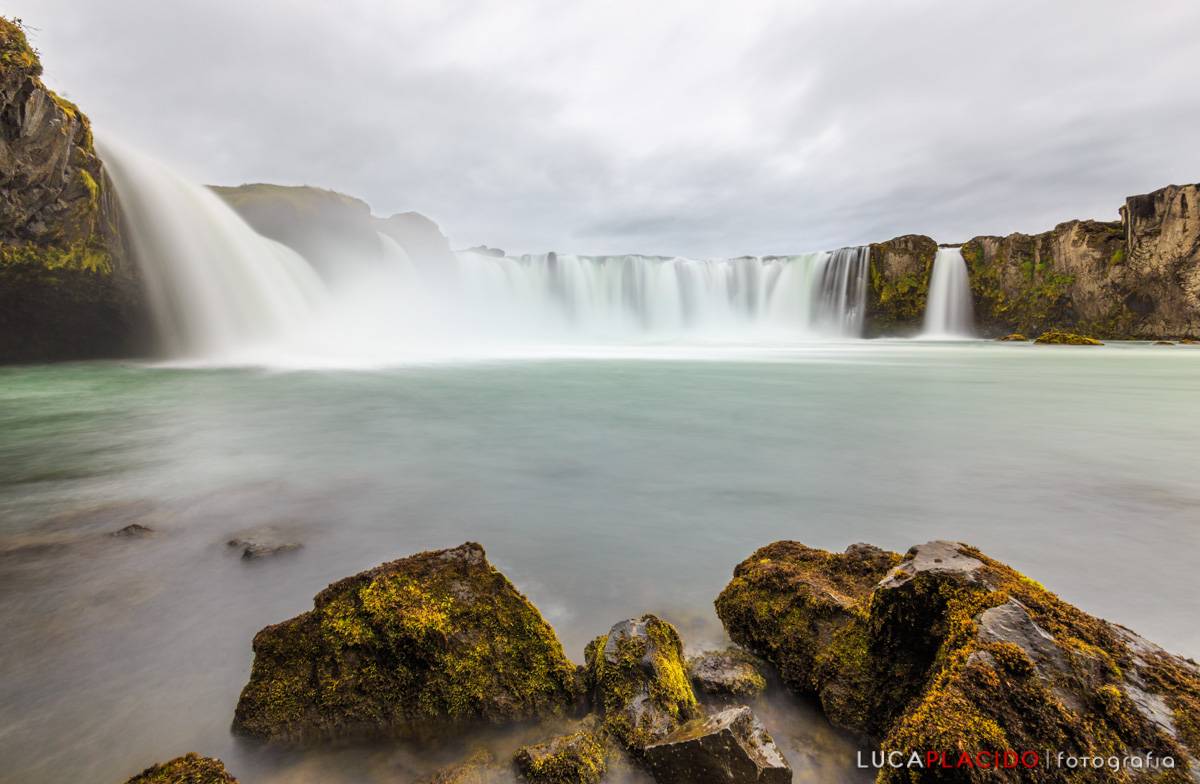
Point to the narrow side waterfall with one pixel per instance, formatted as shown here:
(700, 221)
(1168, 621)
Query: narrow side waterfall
(948, 310)
(214, 284)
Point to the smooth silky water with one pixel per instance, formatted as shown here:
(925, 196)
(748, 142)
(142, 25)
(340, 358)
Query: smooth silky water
(604, 487)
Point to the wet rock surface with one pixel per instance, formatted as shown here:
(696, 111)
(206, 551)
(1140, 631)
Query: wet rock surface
(639, 681)
(730, 747)
(479, 768)
(416, 647)
(728, 673)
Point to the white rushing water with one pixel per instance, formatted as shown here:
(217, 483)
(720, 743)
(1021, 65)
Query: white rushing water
(222, 292)
(214, 284)
(948, 311)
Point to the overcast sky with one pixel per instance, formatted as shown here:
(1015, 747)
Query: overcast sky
(697, 128)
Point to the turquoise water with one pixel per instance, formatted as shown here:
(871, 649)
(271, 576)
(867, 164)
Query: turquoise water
(604, 487)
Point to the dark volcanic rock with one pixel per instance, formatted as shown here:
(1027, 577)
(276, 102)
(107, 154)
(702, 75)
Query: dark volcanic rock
(900, 270)
(577, 758)
(409, 648)
(953, 651)
(133, 530)
(732, 672)
(639, 678)
(731, 747)
(188, 769)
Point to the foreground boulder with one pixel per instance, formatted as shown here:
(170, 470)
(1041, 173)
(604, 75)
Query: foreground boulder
(949, 651)
(188, 769)
(406, 649)
(577, 758)
(639, 678)
(479, 768)
(729, 673)
(730, 747)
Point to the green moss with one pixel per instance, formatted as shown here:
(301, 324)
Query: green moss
(649, 665)
(575, 759)
(405, 648)
(188, 769)
(906, 662)
(1118, 257)
(15, 51)
(1065, 339)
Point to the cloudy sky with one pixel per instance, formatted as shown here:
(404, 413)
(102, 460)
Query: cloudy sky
(697, 128)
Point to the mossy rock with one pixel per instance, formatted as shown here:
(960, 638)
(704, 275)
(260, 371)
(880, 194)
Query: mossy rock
(188, 769)
(639, 678)
(1163, 343)
(577, 758)
(479, 768)
(1065, 339)
(953, 651)
(407, 649)
(1014, 338)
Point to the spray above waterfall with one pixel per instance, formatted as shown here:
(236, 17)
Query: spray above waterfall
(221, 291)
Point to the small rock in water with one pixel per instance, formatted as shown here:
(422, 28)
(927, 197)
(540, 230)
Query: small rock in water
(135, 530)
(730, 672)
(1187, 342)
(730, 747)
(479, 768)
(573, 759)
(254, 550)
(1163, 343)
(638, 674)
(1014, 338)
(188, 769)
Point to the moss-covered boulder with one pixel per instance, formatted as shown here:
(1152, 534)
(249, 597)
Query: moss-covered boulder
(1016, 337)
(1065, 339)
(188, 769)
(577, 758)
(956, 653)
(639, 680)
(406, 649)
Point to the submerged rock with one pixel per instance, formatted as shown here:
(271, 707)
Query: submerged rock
(731, 672)
(406, 649)
(479, 768)
(730, 747)
(639, 678)
(577, 758)
(133, 530)
(951, 651)
(1014, 338)
(252, 550)
(1065, 339)
(188, 769)
(1163, 343)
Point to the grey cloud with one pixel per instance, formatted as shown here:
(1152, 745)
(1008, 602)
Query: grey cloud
(785, 128)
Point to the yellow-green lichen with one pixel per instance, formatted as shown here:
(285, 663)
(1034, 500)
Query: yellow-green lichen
(574, 759)
(1065, 339)
(188, 769)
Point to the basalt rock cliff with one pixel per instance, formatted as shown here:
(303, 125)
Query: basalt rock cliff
(1136, 278)
(67, 287)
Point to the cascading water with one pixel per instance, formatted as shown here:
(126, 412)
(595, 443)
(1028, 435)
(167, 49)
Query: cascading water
(221, 291)
(214, 284)
(948, 312)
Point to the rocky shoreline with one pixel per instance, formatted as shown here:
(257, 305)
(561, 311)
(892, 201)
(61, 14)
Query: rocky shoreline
(949, 665)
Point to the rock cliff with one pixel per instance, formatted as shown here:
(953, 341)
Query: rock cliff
(1137, 278)
(67, 287)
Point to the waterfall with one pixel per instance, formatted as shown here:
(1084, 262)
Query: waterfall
(220, 291)
(948, 310)
(213, 283)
